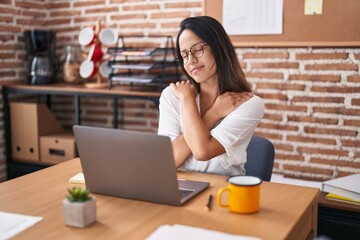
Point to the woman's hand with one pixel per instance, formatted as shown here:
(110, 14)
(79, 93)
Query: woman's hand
(228, 102)
(184, 90)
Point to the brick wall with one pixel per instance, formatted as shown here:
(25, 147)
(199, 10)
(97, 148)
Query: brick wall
(311, 94)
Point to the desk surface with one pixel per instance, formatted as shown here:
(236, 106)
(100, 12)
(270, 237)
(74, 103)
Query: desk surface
(64, 88)
(286, 211)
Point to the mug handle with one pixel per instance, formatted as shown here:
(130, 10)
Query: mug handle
(219, 193)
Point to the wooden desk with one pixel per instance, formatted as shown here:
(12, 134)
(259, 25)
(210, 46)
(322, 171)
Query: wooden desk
(63, 89)
(286, 211)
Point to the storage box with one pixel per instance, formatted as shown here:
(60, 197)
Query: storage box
(28, 122)
(57, 148)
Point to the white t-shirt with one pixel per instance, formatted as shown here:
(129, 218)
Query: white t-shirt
(233, 133)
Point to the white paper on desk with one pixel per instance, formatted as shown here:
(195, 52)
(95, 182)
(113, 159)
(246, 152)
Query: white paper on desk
(12, 224)
(182, 232)
(253, 17)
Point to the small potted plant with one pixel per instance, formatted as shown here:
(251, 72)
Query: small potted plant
(79, 208)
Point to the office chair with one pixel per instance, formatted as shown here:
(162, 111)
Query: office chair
(260, 158)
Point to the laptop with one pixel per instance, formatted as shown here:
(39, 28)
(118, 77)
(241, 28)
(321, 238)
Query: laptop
(131, 164)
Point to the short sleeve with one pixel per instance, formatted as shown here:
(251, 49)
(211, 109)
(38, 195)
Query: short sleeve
(235, 130)
(169, 114)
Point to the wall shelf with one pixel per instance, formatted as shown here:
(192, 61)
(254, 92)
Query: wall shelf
(145, 66)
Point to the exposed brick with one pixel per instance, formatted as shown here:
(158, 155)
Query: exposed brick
(270, 75)
(88, 3)
(183, 5)
(7, 74)
(6, 2)
(9, 11)
(54, 5)
(357, 56)
(330, 131)
(65, 13)
(307, 178)
(7, 56)
(346, 173)
(284, 147)
(170, 15)
(352, 122)
(285, 127)
(275, 65)
(264, 55)
(169, 25)
(282, 107)
(32, 4)
(128, 16)
(310, 119)
(306, 56)
(308, 169)
(350, 143)
(318, 99)
(6, 19)
(278, 96)
(138, 25)
(9, 65)
(354, 78)
(141, 7)
(355, 101)
(335, 162)
(102, 10)
(273, 116)
(64, 21)
(88, 20)
(334, 66)
(273, 136)
(315, 78)
(123, 1)
(10, 29)
(280, 86)
(6, 38)
(336, 110)
(33, 13)
(297, 138)
(335, 89)
(291, 157)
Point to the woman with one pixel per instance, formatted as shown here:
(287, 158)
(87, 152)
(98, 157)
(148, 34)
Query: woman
(211, 117)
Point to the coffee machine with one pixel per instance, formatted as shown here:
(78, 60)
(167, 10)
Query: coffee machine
(41, 47)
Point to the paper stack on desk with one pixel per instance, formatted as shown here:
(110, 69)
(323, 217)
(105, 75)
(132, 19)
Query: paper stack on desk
(12, 224)
(182, 232)
(348, 186)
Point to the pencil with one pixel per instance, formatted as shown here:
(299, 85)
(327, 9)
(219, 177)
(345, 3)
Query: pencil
(208, 205)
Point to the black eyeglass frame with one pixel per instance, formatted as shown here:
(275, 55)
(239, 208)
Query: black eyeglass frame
(185, 59)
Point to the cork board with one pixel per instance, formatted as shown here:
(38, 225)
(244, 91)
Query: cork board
(337, 26)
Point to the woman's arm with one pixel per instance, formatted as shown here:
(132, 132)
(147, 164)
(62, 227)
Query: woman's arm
(196, 136)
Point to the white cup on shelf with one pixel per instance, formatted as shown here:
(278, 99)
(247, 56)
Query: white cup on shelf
(108, 36)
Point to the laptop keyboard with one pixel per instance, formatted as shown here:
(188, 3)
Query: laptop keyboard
(184, 192)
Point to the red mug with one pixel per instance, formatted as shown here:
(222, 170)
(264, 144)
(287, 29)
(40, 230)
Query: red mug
(88, 69)
(95, 53)
(87, 36)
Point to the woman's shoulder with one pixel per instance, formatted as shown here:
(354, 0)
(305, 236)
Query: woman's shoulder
(168, 95)
(255, 106)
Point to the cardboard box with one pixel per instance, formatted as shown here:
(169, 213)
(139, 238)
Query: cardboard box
(57, 148)
(28, 122)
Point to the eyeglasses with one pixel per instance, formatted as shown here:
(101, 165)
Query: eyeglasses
(196, 50)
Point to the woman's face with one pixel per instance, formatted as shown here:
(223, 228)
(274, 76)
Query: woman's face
(202, 66)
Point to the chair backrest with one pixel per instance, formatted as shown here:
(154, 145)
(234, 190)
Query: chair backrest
(260, 158)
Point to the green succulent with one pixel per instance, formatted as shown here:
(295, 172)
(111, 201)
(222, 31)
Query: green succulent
(78, 194)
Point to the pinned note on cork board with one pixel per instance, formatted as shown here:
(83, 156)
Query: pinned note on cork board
(338, 25)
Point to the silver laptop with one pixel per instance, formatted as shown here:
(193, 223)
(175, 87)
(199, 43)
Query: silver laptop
(133, 165)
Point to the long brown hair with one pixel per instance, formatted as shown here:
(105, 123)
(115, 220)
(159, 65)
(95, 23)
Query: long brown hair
(230, 75)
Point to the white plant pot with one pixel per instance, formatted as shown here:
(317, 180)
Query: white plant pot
(79, 214)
